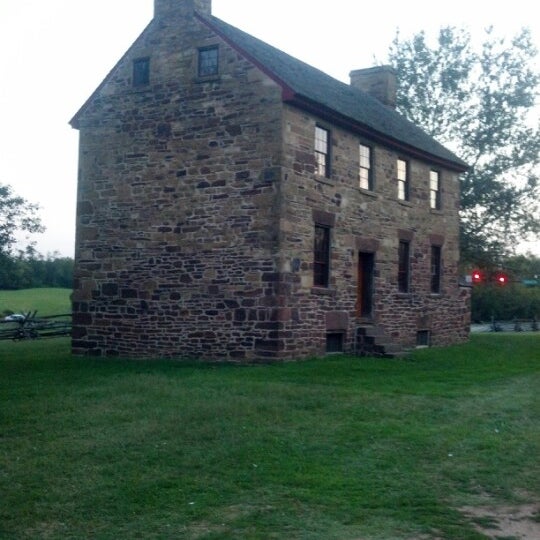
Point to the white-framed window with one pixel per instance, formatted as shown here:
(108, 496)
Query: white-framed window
(435, 190)
(365, 171)
(322, 151)
(403, 180)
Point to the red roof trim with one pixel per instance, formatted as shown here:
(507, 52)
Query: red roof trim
(332, 116)
(287, 93)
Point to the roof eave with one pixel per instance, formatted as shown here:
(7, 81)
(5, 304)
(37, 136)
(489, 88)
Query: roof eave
(348, 123)
(291, 96)
(287, 93)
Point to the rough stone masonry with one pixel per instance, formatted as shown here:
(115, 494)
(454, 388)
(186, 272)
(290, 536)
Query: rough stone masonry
(198, 196)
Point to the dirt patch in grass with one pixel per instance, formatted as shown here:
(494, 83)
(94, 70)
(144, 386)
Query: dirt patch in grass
(520, 522)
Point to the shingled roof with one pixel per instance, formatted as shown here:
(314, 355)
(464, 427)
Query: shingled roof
(314, 90)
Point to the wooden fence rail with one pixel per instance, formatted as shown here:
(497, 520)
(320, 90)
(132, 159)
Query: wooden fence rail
(29, 326)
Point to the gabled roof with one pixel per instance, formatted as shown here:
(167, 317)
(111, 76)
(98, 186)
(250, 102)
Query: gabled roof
(314, 90)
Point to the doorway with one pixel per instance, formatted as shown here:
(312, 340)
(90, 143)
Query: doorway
(364, 300)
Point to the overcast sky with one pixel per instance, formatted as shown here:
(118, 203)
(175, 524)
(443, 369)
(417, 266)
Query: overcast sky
(56, 52)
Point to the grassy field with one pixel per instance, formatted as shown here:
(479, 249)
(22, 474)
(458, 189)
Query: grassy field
(45, 301)
(337, 448)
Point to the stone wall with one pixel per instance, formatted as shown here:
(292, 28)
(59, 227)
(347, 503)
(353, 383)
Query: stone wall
(370, 221)
(197, 201)
(177, 215)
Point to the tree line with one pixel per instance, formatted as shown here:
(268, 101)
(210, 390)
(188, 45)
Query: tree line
(26, 268)
(29, 269)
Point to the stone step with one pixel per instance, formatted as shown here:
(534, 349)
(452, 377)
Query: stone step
(372, 341)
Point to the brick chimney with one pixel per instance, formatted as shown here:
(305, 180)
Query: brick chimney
(379, 82)
(164, 9)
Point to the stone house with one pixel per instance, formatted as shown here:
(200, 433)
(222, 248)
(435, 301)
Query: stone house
(237, 204)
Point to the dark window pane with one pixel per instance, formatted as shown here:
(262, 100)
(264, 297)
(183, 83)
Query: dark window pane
(334, 342)
(423, 338)
(208, 61)
(141, 71)
(435, 269)
(403, 267)
(321, 256)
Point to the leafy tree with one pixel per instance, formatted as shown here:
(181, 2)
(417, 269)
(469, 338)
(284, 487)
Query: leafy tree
(481, 104)
(523, 266)
(28, 269)
(16, 215)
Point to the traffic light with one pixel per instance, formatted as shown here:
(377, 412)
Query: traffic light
(481, 277)
(477, 276)
(501, 279)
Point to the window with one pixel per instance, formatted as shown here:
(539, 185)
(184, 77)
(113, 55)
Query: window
(434, 190)
(321, 256)
(322, 151)
(208, 61)
(435, 269)
(334, 342)
(403, 179)
(403, 266)
(366, 171)
(423, 338)
(141, 72)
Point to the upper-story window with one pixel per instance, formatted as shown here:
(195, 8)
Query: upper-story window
(208, 61)
(322, 151)
(366, 169)
(435, 190)
(403, 179)
(141, 72)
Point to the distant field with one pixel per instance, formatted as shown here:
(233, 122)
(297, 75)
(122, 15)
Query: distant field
(45, 301)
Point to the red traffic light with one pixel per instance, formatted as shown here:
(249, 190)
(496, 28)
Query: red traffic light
(501, 278)
(477, 276)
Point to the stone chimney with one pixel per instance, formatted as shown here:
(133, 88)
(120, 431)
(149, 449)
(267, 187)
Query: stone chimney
(379, 82)
(164, 9)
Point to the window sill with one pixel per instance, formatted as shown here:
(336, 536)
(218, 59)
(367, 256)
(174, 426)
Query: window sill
(436, 211)
(140, 89)
(324, 180)
(405, 203)
(208, 78)
(323, 291)
(368, 192)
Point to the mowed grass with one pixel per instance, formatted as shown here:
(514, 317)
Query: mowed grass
(335, 448)
(46, 301)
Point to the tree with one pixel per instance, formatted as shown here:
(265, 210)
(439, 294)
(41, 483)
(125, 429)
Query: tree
(481, 104)
(16, 215)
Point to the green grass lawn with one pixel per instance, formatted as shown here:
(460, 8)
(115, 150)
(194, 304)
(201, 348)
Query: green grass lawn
(45, 301)
(337, 448)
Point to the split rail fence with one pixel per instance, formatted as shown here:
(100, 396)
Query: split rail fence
(30, 326)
